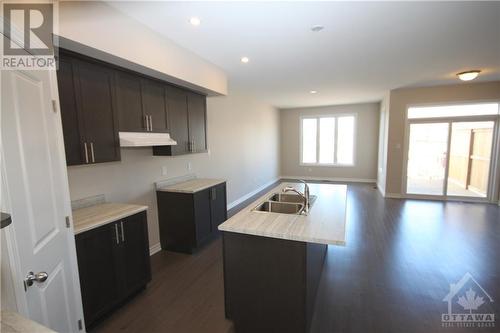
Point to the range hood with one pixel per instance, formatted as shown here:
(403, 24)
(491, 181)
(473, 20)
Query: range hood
(140, 139)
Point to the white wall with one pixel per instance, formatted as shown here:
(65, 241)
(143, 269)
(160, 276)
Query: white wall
(97, 25)
(365, 168)
(244, 149)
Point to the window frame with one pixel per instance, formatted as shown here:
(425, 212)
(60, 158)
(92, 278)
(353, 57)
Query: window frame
(335, 164)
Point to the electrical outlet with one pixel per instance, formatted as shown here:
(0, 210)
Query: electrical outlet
(164, 170)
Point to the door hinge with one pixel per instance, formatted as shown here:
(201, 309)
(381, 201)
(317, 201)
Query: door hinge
(67, 222)
(80, 325)
(54, 105)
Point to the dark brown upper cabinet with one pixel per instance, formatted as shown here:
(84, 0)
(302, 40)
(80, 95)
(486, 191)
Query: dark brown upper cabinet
(187, 120)
(88, 114)
(154, 105)
(98, 100)
(129, 102)
(72, 128)
(178, 121)
(141, 103)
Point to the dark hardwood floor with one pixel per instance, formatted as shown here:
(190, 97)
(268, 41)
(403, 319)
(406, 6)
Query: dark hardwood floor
(392, 276)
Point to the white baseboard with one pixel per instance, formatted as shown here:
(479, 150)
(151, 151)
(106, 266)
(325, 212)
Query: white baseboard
(154, 249)
(332, 179)
(251, 194)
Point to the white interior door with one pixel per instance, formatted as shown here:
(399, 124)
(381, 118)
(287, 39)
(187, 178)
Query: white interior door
(34, 171)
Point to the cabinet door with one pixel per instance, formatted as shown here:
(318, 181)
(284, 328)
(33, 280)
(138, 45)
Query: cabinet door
(135, 269)
(218, 205)
(178, 119)
(197, 122)
(72, 126)
(96, 107)
(129, 102)
(202, 216)
(154, 106)
(96, 253)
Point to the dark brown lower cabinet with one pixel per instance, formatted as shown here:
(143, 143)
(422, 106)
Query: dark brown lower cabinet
(113, 262)
(270, 284)
(190, 220)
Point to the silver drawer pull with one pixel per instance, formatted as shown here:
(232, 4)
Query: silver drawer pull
(123, 232)
(92, 151)
(116, 234)
(86, 152)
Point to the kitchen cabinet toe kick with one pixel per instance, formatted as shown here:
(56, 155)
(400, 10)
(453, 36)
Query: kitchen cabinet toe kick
(270, 284)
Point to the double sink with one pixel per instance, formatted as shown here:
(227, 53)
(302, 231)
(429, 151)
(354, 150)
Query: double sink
(284, 203)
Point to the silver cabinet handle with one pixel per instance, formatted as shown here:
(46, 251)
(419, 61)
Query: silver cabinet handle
(116, 234)
(86, 152)
(123, 232)
(151, 123)
(146, 119)
(38, 277)
(92, 151)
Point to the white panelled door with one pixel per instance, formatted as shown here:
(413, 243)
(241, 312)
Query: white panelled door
(37, 187)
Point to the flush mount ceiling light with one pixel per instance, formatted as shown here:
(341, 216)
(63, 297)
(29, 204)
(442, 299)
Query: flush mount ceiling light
(195, 21)
(313, 92)
(245, 60)
(468, 75)
(317, 28)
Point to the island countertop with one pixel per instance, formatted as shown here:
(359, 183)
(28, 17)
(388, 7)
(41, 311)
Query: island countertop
(325, 223)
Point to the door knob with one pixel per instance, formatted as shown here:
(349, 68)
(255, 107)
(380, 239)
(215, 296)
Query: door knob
(38, 277)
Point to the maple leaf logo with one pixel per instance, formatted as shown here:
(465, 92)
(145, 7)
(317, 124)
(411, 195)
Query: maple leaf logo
(470, 301)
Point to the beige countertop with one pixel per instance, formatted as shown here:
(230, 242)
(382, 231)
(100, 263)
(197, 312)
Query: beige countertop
(325, 224)
(191, 185)
(88, 218)
(13, 322)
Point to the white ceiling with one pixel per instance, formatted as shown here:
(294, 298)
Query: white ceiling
(365, 49)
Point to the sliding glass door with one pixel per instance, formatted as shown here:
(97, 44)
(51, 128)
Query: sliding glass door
(450, 156)
(427, 158)
(470, 158)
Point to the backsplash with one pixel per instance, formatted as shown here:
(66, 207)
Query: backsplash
(87, 202)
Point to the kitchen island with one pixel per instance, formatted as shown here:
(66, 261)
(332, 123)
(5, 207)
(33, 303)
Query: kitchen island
(273, 261)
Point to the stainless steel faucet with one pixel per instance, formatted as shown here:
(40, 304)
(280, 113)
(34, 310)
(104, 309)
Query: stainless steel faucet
(305, 196)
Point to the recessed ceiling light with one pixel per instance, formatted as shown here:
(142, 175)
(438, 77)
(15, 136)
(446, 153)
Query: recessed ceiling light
(317, 28)
(245, 60)
(195, 21)
(468, 75)
(313, 92)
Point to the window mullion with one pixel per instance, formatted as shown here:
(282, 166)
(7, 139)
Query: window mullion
(317, 139)
(335, 140)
